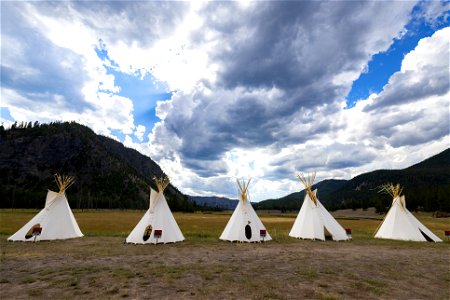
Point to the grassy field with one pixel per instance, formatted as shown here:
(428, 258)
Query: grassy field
(100, 266)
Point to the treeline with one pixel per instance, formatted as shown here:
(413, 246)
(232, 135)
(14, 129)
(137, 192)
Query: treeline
(426, 187)
(21, 125)
(434, 198)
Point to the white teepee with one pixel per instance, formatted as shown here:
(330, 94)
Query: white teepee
(158, 224)
(244, 224)
(55, 221)
(400, 223)
(313, 218)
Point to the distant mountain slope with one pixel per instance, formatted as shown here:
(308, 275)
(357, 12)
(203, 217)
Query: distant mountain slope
(294, 201)
(426, 186)
(108, 175)
(215, 202)
(439, 162)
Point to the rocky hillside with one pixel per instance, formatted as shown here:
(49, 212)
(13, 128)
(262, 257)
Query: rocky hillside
(108, 175)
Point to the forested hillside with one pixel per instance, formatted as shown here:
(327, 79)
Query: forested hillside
(294, 201)
(426, 187)
(215, 203)
(108, 175)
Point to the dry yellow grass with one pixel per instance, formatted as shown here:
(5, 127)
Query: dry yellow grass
(207, 226)
(100, 266)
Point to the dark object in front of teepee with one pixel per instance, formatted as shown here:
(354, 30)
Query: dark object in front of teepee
(248, 231)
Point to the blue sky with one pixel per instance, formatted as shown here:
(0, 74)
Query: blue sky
(214, 91)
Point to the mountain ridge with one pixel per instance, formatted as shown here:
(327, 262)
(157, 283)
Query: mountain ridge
(426, 186)
(110, 175)
(215, 202)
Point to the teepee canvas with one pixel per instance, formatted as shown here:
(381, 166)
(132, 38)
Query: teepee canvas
(158, 224)
(313, 219)
(55, 221)
(400, 223)
(244, 224)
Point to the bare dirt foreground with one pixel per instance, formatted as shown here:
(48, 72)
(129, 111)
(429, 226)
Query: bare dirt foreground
(104, 268)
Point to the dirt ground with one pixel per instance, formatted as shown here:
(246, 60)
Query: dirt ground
(105, 268)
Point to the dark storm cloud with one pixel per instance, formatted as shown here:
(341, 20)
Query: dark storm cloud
(34, 67)
(293, 48)
(211, 129)
(294, 45)
(210, 126)
(414, 128)
(384, 125)
(260, 44)
(206, 168)
(431, 131)
(317, 158)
